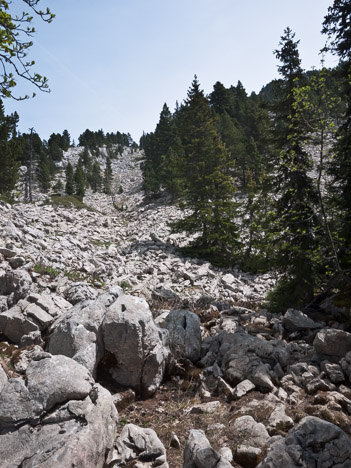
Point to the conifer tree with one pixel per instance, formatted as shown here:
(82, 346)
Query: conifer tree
(207, 187)
(79, 179)
(337, 25)
(156, 147)
(295, 220)
(44, 172)
(69, 188)
(96, 178)
(107, 176)
(8, 153)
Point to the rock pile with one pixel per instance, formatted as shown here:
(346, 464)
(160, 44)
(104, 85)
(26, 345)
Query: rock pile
(78, 341)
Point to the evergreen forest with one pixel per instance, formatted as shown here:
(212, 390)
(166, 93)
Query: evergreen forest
(264, 180)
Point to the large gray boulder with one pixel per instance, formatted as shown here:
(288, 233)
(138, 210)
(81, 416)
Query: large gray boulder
(185, 334)
(139, 445)
(57, 416)
(49, 381)
(78, 292)
(332, 342)
(198, 453)
(295, 320)
(312, 443)
(35, 314)
(77, 334)
(20, 320)
(138, 346)
(15, 284)
(3, 378)
(252, 438)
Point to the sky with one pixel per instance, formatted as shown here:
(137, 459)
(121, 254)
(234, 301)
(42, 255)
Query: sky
(112, 64)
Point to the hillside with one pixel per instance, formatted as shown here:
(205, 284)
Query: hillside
(110, 334)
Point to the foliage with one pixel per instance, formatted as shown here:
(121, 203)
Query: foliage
(295, 223)
(45, 270)
(68, 201)
(107, 176)
(8, 152)
(15, 43)
(98, 139)
(337, 25)
(79, 179)
(96, 178)
(207, 188)
(69, 188)
(44, 173)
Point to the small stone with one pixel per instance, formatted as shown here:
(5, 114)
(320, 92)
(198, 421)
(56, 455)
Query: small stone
(175, 443)
(226, 454)
(242, 389)
(206, 408)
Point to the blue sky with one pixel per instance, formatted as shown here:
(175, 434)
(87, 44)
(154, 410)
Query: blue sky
(111, 64)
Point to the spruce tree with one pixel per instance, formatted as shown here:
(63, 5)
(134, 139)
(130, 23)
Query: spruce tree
(337, 25)
(79, 179)
(207, 186)
(295, 199)
(107, 176)
(8, 154)
(156, 147)
(43, 172)
(96, 178)
(69, 188)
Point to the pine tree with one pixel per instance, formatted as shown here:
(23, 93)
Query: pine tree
(69, 188)
(207, 187)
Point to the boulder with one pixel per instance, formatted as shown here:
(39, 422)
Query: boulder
(313, 442)
(76, 433)
(136, 444)
(242, 389)
(50, 381)
(78, 292)
(15, 283)
(295, 320)
(16, 323)
(78, 334)
(333, 371)
(3, 378)
(50, 303)
(279, 421)
(184, 333)
(199, 454)
(332, 342)
(35, 314)
(250, 432)
(206, 408)
(137, 346)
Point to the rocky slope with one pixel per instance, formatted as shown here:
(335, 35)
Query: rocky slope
(220, 380)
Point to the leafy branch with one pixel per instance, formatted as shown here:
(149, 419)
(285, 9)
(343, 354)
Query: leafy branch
(16, 32)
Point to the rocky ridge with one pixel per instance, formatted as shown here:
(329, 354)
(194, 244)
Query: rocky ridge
(100, 315)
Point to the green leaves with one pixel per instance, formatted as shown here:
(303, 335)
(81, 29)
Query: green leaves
(15, 31)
